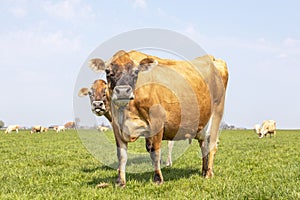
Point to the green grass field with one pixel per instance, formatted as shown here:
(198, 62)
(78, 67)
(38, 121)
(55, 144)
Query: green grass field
(58, 166)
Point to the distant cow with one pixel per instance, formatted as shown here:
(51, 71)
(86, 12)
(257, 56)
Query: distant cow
(268, 127)
(70, 125)
(11, 128)
(162, 99)
(38, 129)
(59, 128)
(102, 128)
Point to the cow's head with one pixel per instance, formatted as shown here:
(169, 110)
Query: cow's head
(98, 97)
(122, 73)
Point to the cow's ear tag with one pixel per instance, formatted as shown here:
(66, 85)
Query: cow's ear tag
(97, 65)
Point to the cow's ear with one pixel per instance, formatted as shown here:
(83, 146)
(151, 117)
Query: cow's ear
(147, 64)
(83, 92)
(97, 65)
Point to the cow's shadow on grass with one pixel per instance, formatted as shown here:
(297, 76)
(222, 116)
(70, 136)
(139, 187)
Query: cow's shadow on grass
(169, 174)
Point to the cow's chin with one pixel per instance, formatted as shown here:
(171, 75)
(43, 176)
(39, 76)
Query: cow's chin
(121, 102)
(99, 112)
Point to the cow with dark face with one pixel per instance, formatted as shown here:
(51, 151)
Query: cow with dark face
(164, 100)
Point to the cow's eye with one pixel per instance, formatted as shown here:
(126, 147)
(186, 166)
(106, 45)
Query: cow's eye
(107, 71)
(136, 72)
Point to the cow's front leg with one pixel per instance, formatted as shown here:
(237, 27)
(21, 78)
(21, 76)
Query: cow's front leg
(155, 156)
(122, 158)
(153, 147)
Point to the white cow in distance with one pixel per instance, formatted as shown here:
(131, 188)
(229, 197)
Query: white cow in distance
(59, 128)
(11, 128)
(268, 127)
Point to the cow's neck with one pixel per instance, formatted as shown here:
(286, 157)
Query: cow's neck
(108, 116)
(119, 113)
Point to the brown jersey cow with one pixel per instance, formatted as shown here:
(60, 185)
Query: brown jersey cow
(164, 100)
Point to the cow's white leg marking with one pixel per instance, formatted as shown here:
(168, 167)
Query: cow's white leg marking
(170, 148)
(156, 157)
(122, 157)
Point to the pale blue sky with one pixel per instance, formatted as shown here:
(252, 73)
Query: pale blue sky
(45, 43)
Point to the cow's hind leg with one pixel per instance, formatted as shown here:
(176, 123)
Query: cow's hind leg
(153, 146)
(205, 155)
(170, 148)
(213, 137)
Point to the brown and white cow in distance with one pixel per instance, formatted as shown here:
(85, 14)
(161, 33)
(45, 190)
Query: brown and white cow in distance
(11, 128)
(38, 129)
(164, 100)
(59, 128)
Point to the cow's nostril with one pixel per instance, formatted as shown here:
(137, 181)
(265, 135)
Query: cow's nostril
(117, 90)
(128, 90)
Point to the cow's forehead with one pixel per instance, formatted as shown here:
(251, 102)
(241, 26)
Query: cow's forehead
(99, 84)
(122, 62)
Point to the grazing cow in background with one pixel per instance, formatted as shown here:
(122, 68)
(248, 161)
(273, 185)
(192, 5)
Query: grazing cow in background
(11, 128)
(38, 129)
(162, 100)
(59, 128)
(102, 128)
(268, 127)
(69, 125)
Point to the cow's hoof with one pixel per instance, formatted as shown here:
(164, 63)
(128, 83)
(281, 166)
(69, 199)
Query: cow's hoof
(120, 183)
(158, 180)
(208, 174)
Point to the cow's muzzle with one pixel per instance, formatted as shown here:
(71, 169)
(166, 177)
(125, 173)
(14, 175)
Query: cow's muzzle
(122, 94)
(98, 107)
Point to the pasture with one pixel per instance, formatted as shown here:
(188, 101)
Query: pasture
(58, 166)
